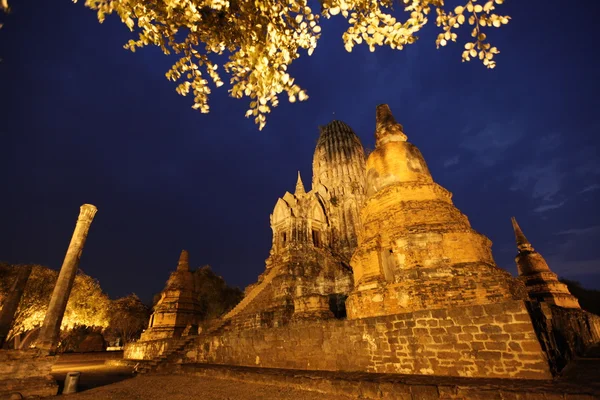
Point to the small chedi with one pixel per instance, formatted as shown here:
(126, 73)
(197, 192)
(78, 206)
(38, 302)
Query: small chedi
(178, 307)
(542, 284)
(374, 269)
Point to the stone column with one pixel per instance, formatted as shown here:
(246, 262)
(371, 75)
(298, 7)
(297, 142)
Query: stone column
(9, 309)
(49, 334)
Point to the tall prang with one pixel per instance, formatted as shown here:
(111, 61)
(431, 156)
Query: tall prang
(307, 273)
(339, 179)
(178, 306)
(542, 284)
(416, 250)
(423, 295)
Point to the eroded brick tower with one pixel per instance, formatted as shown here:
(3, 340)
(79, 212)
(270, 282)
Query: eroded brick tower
(542, 284)
(339, 179)
(416, 249)
(178, 305)
(314, 235)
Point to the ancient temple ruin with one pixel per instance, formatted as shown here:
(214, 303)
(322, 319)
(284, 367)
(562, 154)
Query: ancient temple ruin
(177, 308)
(307, 274)
(374, 269)
(416, 250)
(542, 284)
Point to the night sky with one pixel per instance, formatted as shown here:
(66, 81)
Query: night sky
(85, 121)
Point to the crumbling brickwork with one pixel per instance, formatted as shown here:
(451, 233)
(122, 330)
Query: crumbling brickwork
(26, 372)
(149, 349)
(542, 284)
(564, 333)
(493, 340)
(314, 236)
(178, 305)
(422, 294)
(416, 250)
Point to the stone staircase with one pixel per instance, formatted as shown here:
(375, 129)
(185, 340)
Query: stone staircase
(172, 355)
(167, 357)
(249, 298)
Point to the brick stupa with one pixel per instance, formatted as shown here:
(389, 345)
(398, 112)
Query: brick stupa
(542, 284)
(416, 250)
(178, 306)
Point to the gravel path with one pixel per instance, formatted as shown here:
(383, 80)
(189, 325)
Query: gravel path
(185, 387)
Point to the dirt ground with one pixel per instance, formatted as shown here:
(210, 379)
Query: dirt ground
(185, 387)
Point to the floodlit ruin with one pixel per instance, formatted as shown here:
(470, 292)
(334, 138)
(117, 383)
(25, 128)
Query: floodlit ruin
(375, 270)
(372, 270)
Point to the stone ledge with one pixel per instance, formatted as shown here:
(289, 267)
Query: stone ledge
(394, 386)
(28, 387)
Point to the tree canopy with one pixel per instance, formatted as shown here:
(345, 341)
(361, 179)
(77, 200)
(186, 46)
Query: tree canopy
(261, 38)
(87, 304)
(128, 318)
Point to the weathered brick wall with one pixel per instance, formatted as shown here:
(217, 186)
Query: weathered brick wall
(564, 333)
(148, 350)
(26, 372)
(437, 287)
(494, 340)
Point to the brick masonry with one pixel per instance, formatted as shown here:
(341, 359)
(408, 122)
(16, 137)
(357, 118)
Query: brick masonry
(494, 340)
(26, 372)
(401, 387)
(148, 350)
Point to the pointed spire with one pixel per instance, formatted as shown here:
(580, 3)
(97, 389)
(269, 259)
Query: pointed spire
(184, 264)
(299, 185)
(522, 242)
(386, 128)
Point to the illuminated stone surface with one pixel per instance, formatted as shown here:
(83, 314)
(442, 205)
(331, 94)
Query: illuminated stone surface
(26, 372)
(49, 334)
(416, 250)
(493, 340)
(314, 235)
(542, 284)
(424, 296)
(178, 306)
(339, 178)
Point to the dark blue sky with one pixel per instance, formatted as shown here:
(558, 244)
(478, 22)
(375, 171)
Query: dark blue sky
(85, 121)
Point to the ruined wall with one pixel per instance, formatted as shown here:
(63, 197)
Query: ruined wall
(564, 333)
(493, 340)
(26, 372)
(437, 287)
(148, 350)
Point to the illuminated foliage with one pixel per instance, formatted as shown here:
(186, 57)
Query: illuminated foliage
(87, 304)
(3, 8)
(214, 295)
(263, 37)
(128, 318)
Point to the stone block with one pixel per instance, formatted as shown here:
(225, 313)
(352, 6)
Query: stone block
(478, 345)
(531, 346)
(448, 355)
(501, 346)
(500, 337)
(518, 327)
(475, 311)
(489, 355)
(465, 337)
(394, 391)
(471, 329)
(437, 331)
(424, 392)
(490, 329)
